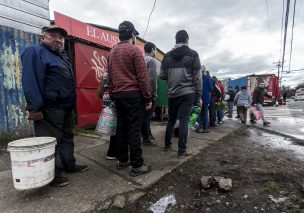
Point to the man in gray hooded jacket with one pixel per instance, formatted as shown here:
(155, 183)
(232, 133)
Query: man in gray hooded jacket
(181, 68)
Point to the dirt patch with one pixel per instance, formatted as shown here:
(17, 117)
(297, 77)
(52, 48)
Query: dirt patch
(265, 179)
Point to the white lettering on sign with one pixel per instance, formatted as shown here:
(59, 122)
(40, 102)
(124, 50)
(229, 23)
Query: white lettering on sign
(104, 36)
(100, 65)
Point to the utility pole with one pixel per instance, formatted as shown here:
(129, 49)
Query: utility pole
(278, 65)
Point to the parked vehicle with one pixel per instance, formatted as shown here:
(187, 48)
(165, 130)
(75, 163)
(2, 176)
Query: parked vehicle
(251, 81)
(299, 94)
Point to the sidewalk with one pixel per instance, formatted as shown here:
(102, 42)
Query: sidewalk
(96, 189)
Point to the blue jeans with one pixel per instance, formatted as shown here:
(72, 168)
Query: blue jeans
(230, 108)
(179, 107)
(204, 116)
(260, 108)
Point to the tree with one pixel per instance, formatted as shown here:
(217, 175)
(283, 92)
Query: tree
(301, 85)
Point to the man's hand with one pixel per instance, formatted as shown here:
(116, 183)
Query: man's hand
(200, 103)
(35, 116)
(148, 105)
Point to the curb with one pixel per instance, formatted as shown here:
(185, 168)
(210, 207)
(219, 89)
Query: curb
(297, 140)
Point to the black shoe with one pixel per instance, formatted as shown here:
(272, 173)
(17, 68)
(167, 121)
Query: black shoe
(266, 123)
(143, 169)
(253, 122)
(78, 168)
(122, 165)
(237, 117)
(150, 142)
(59, 182)
(184, 154)
(168, 148)
(200, 130)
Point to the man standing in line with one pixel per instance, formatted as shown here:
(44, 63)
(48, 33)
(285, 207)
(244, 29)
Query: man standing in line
(258, 100)
(150, 51)
(230, 101)
(129, 88)
(206, 96)
(181, 68)
(49, 89)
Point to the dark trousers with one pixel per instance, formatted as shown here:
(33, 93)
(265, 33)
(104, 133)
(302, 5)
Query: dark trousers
(128, 136)
(242, 113)
(58, 123)
(146, 129)
(212, 113)
(179, 107)
(204, 116)
(112, 147)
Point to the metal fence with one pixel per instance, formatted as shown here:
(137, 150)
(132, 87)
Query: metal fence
(12, 103)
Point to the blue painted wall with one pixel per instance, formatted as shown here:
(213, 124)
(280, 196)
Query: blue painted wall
(237, 82)
(12, 103)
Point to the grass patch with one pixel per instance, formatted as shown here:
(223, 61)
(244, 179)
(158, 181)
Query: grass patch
(84, 131)
(272, 186)
(8, 138)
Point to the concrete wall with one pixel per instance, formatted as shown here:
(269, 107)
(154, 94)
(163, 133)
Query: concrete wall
(12, 104)
(26, 15)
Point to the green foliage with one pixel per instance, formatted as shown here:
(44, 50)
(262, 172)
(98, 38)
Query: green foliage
(84, 131)
(272, 186)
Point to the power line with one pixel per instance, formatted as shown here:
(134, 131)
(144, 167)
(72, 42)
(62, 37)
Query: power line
(282, 21)
(291, 41)
(149, 18)
(268, 17)
(285, 33)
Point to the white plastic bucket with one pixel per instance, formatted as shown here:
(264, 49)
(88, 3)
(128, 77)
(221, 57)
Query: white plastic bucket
(33, 161)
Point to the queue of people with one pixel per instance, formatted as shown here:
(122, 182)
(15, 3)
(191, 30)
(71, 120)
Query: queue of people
(131, 88)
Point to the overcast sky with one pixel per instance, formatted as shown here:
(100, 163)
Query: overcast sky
(231, 36)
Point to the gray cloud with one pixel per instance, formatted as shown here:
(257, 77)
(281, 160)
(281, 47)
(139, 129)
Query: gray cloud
(231, 37)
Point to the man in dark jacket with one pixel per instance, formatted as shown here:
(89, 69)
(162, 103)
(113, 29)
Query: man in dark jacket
(181, 68)
(230, 101)
(49, 89)
(258, 99)
(129, 87)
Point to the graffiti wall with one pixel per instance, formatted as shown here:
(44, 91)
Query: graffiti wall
(12, 103)
(90, 64)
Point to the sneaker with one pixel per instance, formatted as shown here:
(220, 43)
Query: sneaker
(168, 148)
(110, 158)
(59, 182)
(143, 169)
(150, 142)
(253, 122)
(122, 165)
(184, 153)
(266, 123)
(78, 168)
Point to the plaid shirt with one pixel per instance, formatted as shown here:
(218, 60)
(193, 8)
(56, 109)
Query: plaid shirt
(127, 70)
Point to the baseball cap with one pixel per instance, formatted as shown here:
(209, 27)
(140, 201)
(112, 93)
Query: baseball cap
(54, 28)
(127, 26)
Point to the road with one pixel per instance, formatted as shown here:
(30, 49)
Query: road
(288, 119)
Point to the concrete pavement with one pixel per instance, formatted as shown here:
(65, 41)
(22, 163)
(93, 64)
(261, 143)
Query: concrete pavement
(97, 188)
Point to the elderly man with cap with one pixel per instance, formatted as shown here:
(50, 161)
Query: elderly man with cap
(129, 88)
(181, 68)
(49, 89)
